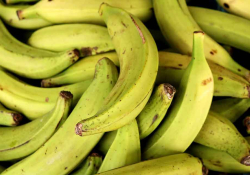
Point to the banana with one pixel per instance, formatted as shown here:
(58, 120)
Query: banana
(231, 108)
(8, 15)
(170, 165)
(83, 11)
(106, 141)
(138, 59)
(219, 26)
(30, 62)
(189, 109)
(246, 123)
(155, 110)
(239, 7)
(89, 39)
(18, 142)
(19, 1)
(217, 160)
(82, 70)
(89, 166)
(125, 149)
(9, 118)
(65, 150)
(219, 133)
(177, 25)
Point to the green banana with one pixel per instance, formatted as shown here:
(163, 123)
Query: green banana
(89, 166)
(65, 150)
(21, 141)
(219, 26)
(125, 149)
(217, 160)
(8, 15)
(170, 165)
(30, 62)
(177, 25)
(239, 7)
(138, 69)
(106, 141)
(9, 118)
(246, 123)
(83, 11)
(219, 133)
(189, 109)
(231, 108)
(155, 110)
(19, 1)
(82, 70)
(89, 39)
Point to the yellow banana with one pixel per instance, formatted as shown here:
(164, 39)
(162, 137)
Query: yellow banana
(106, 141)
(65, 150)
(138, 59)
(18, 142)
(9, 118)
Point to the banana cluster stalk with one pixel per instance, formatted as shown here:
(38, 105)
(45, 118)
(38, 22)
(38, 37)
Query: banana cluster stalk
(239, 7)
(89, 39)
(138, 69)
(231, 108)
(177, 26)
(155, 110)
(65, 150)
(189, 109)
(219, 26)
(8, 117)
(89, 166)
(21, 141)
(126, 147)
(170, 165)
(9, 16)
(217, 160)
(83, 11)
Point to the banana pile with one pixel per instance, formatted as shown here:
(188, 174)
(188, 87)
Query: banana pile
(137, 87)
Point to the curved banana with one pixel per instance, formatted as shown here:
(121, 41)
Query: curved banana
(138, 59)
(18, 142)
(217, 160)
(83, 11)
(89, 39)
(82, 70)
(19, 1)
(170, 165)
(189, 109)
(106, 141)
(239, 7)
(8, 117)
(219, 26)
(89, 166)
(219, 133)
(246, 123)
(8, 15)
(231, 108)
(65, 150)
(155, 110)
(177, 25)
(125, 149)
(29, 62)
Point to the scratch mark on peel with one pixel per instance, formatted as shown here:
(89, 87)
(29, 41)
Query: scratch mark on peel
(139, 30)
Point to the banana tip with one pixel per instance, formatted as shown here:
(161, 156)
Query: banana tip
(19, 14)
(246, 160)
(101, 8)
(66, 94)
(17, 118)
(199, 32)
(169, 90)
(205, 170)
(78, 129)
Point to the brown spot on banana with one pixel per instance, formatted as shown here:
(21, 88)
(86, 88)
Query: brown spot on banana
(169, 90)
(17, 118)
(204, 170)
(78, 129)
(154, 119)
(246, 160)
(226, 5)
(206, 81)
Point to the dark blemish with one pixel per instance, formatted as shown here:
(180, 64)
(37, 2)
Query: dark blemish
(89, 164)
(17, 118)
(246, 123)
(10, 21)
(22, 170)
(226, 5)
(124, 24)
(78, 129)
(154, 119)
(239, 70)
(86, 51)
(131, 49)
(211, 53)
(169, 90)
(220, 78)
(45, 152)
(180, 65)
(1, 88)
(246, 160)
(66, 94)
(107, 76)
(76, 156)
(49, 0)
(205, 82)
(47, 99)
(66, 168)
(217, 163)
(199, 32)
(204, 170)
(139, 30)
(124, 52)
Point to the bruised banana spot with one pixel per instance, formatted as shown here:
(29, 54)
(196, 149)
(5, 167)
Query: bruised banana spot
(17, 118)
(154, 119)
(87, 51)
(220, 78)
(139, 30)
(169, 90)
(205, 82)
(246, 160)
(47, 99)
(78, 129)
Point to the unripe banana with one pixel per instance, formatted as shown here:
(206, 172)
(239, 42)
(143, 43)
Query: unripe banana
(192, 101)
(231, 108)
(19, 1)
(106, 141)
(169, 165)
(65, 150)
(89, 166)
(239, 7)
(8, 117)
(217, 160)
(8, 15)
(138, 59)
(125, 149)
(155, 110)
(21, 141)
(83, 11)
(89, 39)
(220, 26)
